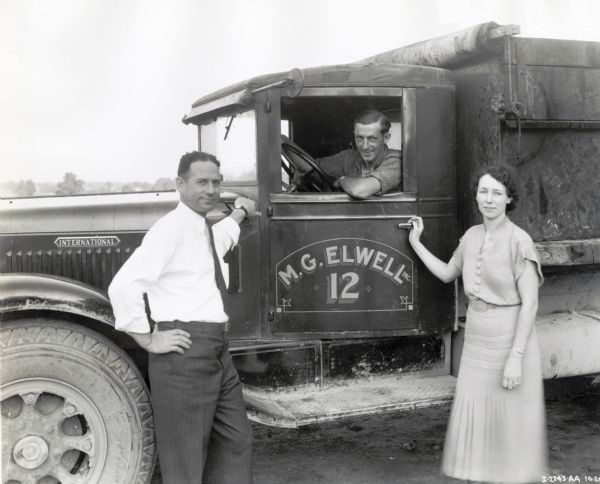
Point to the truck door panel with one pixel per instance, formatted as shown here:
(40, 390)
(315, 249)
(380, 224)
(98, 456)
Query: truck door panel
(341, 267)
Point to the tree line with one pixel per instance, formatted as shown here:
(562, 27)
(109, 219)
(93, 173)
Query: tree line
(71, 184)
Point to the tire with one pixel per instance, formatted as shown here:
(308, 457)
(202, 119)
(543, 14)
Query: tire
(74, 408)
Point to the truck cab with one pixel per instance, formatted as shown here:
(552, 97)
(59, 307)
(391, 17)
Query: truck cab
(335, 275)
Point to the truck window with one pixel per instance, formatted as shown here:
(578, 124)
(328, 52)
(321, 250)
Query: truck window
(232, 139)
(323, 126)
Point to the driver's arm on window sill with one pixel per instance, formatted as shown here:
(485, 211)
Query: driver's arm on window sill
(359, 187)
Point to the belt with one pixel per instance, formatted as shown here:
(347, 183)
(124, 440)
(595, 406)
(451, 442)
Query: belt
(482, 306)
(195, 325)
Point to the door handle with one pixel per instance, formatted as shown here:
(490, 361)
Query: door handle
(406, 222)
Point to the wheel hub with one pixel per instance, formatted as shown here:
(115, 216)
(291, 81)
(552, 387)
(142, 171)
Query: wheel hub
(30, 452)
(58, 433)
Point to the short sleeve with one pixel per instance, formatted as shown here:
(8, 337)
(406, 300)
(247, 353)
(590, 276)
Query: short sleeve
(389, 172)
(458, 258)
(525, 250)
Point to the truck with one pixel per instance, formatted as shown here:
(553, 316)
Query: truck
(332, 314)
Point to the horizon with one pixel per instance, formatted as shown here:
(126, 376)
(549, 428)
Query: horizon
(101, 87)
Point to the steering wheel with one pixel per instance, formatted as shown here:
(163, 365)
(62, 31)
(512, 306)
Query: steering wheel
(298, 159)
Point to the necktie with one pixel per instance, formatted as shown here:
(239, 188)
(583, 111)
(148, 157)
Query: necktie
(218, 273)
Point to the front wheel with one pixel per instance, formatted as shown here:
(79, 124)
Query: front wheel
(74, 408)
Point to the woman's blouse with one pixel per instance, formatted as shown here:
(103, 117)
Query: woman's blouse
(491, 275)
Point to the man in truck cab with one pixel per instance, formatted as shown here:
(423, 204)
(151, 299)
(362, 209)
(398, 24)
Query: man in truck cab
(371, 167)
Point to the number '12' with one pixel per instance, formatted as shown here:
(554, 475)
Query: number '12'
(347, 281)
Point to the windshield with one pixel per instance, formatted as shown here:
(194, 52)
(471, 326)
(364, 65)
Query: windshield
(232, 139)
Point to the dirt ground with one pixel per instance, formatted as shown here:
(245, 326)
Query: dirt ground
(407, 447)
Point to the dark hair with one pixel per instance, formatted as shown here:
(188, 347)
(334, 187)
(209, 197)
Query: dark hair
(189, 158)
(506, 175)
(369, 116)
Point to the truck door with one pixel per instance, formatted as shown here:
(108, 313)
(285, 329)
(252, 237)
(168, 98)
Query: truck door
(337, 264)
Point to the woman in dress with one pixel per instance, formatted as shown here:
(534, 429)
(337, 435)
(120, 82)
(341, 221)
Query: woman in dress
(497, 430)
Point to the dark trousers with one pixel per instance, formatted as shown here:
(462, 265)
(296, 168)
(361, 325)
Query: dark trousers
(202, 431)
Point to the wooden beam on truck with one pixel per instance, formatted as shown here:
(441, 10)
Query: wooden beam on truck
(569, 252)
(569, 343)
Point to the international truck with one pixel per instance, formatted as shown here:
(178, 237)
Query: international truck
(332, 314)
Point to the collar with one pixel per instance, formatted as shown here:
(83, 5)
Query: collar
(505, 223)
(188, 214)
(375, 163)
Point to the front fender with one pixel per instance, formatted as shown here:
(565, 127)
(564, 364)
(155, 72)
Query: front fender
(42, 292)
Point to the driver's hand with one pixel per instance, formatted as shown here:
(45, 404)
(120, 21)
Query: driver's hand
(248, 204)
(338, 182)
(298, 177)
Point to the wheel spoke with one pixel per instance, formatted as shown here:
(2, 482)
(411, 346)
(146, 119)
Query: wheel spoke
(54, 419)
(66, 477)
(13, 472)
(70, 408)
(7, 425)
(28, 479)
(28, 412)
(84, 443)
(29, 397)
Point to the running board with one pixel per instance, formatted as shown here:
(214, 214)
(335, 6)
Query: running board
(309, 405)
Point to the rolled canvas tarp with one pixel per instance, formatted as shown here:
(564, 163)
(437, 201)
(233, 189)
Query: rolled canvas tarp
(447, 49)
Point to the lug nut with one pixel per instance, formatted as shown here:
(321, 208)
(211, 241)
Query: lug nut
(70, 409)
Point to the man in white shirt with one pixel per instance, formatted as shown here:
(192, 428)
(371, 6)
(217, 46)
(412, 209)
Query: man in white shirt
(201, 428)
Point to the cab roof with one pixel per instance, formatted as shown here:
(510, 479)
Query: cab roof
(347, 75)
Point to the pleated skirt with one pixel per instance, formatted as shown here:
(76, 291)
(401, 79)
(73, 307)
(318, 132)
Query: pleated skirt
(494, 434)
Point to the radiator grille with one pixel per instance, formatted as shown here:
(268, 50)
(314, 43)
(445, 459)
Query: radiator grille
(94, 266)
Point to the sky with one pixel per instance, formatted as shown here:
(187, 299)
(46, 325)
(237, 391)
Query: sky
(99, 87)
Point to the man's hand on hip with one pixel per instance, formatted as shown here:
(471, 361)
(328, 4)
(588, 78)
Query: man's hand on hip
(172, 340)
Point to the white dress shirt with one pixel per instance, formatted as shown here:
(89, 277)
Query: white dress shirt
(174, 266)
